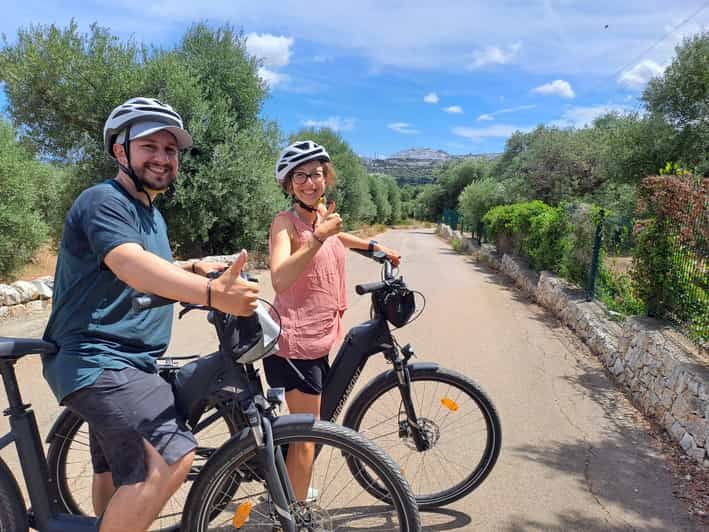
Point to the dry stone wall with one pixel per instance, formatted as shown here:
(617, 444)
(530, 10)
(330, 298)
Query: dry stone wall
(665, 373)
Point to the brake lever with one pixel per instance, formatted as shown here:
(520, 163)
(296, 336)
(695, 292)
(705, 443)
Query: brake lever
(188, 307)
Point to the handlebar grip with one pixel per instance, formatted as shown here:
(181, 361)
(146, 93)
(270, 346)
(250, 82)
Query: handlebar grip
(146, 301)
(367, 288)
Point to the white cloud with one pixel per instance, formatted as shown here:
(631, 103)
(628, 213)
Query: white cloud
(272, 78)
(581, 116)
(335, 123)
(431, 97)
(404, 128)
(492, 55)
(491, 116)
(322, 59)
(454, 110)
(558, 87)
(496, 131)
(638, 76)
(273, 50)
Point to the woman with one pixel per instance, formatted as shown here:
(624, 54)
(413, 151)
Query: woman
(308, 275)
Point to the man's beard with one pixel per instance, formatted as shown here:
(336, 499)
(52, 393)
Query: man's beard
(154, 183)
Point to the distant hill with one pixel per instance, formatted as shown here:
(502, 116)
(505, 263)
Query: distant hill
(416, 166)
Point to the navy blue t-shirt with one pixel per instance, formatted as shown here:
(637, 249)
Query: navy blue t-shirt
(92, 321)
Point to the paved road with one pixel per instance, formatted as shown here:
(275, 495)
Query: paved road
(575, 454)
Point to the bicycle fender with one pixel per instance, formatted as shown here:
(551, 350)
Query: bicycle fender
(61, 420)
(389, 375)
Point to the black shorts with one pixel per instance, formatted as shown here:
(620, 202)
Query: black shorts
(122, 408)
(280, 374)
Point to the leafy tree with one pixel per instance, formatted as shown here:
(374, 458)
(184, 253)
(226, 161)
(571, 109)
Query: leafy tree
(62, 84)
(22, 229)
(379, 192)
(634, 146)
(429, 203)
(453, 178)
(351, 194)
(681, 96)
(478, 198)
(394, 195)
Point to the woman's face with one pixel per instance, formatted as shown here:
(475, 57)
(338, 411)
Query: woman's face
(308, 182)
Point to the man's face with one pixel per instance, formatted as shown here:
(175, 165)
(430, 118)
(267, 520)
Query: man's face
(154, 159)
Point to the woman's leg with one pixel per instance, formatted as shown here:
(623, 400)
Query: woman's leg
(299, 461)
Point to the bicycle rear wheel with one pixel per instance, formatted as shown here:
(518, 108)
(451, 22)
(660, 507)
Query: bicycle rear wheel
(456, 416)
(229, 493)
(13, 513)
(69, 462)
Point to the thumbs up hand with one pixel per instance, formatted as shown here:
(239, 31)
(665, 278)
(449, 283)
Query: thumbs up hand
(330, 224)
(233, 294)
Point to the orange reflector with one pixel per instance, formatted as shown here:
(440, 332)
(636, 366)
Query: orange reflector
(450, 404)
(242, 514)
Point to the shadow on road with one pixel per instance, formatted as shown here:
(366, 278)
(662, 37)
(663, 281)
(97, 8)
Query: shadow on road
(445, 519)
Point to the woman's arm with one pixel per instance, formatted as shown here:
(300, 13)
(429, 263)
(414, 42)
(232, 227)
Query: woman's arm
(287, 267)
(351, 241)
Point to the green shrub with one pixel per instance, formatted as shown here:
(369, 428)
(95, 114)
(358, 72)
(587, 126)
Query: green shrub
(617, 292)
(22, 229)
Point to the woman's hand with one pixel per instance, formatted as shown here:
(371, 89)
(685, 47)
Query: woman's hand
(331, 224)
(392, 255)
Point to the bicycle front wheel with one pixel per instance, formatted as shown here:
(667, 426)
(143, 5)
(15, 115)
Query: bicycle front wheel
(231, 494)
(457, 419)
(70, 466)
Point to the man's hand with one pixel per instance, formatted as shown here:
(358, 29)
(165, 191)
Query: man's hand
(203, 267)
(330, 225)
(233, 294)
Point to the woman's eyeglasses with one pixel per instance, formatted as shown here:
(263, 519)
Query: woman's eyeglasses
(299, 178)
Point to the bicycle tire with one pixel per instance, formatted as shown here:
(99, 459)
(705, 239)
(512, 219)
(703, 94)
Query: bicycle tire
(13, 512)
(234, 462)
(445, 426)
(74, 492)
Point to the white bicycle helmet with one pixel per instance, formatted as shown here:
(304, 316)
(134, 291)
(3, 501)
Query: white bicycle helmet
(158, 115)
(296, 154)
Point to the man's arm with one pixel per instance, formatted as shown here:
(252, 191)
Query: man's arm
(146, 272)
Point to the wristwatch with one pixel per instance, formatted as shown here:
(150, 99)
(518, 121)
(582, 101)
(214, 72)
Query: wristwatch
(370, 249)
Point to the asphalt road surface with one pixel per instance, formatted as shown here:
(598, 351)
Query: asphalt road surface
(575, 455)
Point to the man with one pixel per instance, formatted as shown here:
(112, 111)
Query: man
(115, 245)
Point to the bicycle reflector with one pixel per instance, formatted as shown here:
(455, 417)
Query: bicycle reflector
(450, 404)
(241, 516)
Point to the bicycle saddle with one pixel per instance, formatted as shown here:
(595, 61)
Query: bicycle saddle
(19, 347)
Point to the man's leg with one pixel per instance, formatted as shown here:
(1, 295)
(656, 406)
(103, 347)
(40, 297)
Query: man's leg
(102, 489)
(134, 507)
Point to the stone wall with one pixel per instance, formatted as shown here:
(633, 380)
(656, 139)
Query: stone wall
(23, 297)
(665, 373)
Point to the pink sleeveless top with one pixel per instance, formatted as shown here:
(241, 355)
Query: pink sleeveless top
(311, 308)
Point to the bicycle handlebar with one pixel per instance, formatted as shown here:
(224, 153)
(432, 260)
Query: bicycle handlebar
(368, 288)
(146, 301)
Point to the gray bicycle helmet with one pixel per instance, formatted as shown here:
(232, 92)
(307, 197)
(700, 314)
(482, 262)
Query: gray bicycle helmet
(148, 115)
(296, 154)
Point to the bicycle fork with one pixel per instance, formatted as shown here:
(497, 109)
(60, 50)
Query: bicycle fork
(273, 468)
(411, 425)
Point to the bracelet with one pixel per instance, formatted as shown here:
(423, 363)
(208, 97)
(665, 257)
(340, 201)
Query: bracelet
(372, 243)
(194, 270)
(316, 238)
(209, 293)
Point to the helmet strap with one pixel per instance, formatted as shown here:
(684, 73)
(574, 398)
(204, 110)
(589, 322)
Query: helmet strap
(304, 205)
(128, 170)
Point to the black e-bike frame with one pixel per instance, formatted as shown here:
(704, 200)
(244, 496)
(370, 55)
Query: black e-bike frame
(362, 342)
(45, 511)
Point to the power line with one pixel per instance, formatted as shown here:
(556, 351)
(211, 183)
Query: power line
(658, 41)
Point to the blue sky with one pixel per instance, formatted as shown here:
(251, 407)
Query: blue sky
(454, 75)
